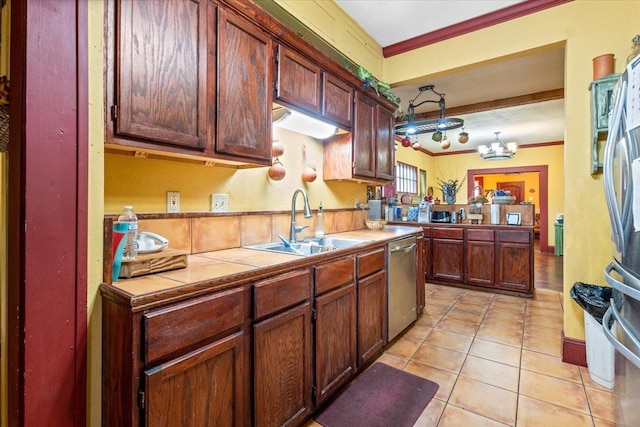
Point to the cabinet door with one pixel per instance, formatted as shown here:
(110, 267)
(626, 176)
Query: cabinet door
(244, 89)
(337, 101)
(385, 144)
(364, 134)
(202, 388)
(480, 263)
(447, 259)
(282, 367)
(372, 316)
(299, 81)
(515, 261)
(160, 89)
(335, 340)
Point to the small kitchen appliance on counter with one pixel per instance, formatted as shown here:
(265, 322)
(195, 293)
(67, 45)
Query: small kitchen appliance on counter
(424, 212)
(441, 216)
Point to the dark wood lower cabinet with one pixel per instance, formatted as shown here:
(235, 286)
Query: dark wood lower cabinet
(481, 260)
(335, 351)
(515, 267)
(448, 259)
(372, 316)
(282, 368)
(496, 257)
(201, 388)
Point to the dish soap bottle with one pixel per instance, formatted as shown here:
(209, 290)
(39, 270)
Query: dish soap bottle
(320, 223)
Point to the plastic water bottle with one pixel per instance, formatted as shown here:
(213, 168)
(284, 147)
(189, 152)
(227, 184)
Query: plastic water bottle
(130, 246)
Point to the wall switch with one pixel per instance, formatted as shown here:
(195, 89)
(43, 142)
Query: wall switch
(173, 201)
(219, 203)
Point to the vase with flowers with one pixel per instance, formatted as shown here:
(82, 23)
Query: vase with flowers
(450, 188)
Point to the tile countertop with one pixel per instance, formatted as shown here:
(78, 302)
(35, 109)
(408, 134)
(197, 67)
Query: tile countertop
(232, 267)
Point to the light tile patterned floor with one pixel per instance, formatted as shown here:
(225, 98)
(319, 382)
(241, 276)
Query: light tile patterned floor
(497, 361)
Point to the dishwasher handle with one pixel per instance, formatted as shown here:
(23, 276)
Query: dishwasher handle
(404, 249)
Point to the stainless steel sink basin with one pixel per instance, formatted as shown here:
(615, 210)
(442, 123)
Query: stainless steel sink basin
(309, 246)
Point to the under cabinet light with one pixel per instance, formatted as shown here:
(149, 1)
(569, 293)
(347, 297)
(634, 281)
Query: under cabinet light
(298, 122)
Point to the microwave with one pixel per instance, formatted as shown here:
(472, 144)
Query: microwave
(440, 216)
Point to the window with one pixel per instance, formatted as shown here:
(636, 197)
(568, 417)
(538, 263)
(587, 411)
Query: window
(406, 178)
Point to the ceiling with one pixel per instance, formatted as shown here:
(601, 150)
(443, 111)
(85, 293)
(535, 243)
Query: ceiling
(520, 96)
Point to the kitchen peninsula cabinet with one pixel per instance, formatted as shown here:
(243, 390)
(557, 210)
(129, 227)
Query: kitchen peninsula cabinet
(499, 258)
(515, 260)
(335, 327)
(371, 305)
(447, 246)
(282, 349)
(480, 258)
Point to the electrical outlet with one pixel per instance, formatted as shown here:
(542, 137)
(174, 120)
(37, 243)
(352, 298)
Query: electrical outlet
(173, 201)
(356, 203)
(219, 202)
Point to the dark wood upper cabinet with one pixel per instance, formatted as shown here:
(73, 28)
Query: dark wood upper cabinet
(160, 88)
(337, 101)
(299, 81)
(244, 89)
(364, 133)
(385, 144)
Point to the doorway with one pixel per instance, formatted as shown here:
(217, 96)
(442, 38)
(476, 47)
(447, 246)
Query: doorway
(543, 193)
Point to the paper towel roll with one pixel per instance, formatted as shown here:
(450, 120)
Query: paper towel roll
(495, 214)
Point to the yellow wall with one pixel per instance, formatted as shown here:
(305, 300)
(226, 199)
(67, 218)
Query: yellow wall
(143, 183)
(530, 180)
(578, 25)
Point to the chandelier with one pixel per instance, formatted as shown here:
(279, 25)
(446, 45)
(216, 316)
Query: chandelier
(498, 150)
(412, 127)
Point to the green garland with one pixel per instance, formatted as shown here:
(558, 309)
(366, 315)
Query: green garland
(369, 80)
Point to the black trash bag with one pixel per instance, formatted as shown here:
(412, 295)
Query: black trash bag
(594, 299)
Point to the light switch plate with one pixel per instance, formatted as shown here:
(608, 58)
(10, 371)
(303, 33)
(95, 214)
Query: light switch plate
(219, 203)
(173, 201)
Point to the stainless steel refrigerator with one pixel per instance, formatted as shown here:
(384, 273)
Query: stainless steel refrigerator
(621, 171)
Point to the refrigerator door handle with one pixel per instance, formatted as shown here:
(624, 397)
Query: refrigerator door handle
(607, 171)
(606, 326)
(631, 287)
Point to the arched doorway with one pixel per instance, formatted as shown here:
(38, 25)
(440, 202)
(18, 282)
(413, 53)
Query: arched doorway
(543, 171)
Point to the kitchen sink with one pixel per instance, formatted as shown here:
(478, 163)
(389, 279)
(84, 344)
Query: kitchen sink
(309, 246)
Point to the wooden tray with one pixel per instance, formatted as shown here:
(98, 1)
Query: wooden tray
(167, 259)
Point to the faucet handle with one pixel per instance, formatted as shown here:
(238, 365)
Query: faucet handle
(300, 228)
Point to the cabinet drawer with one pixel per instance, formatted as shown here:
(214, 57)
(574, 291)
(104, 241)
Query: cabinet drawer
(480, 235)
(447, 233)
(168, 330)
(332, 275)
(370, 263)
(514, 236)
(273, 295)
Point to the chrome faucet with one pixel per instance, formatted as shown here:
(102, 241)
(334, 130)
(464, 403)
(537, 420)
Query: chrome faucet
(307, 214)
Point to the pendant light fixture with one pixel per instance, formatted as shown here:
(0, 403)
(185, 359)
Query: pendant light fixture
(441, 124)
(498, 150)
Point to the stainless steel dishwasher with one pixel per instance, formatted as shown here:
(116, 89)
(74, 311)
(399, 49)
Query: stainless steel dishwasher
(401, 286)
